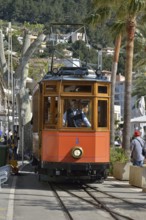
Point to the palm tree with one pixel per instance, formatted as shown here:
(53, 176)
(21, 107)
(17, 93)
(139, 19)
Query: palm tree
(113, 82)
(139, 79)
(129, 12)
(100, 17)
(140, 48)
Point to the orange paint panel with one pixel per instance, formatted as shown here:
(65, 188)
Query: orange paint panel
(57, 146)
(102, 147)
(69, 141)
(49, 146)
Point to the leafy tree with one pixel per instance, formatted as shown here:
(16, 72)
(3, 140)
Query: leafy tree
(81, 51)
(139, 83)
(43, 11)
(47, 11)
(21, 73)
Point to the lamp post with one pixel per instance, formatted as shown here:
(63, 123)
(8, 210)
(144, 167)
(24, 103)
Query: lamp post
(22, 136)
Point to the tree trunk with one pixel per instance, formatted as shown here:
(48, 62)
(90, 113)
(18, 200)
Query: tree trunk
(131, 24)
(22, 97)
(3, 63)
(26, 56)
(25, 105)
(113, 82)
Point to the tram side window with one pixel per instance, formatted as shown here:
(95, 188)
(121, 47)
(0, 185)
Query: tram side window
(102, 89)
(50, 111)
(77, 113)
(102, 113)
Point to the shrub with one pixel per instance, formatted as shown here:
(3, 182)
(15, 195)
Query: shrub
(117, 155)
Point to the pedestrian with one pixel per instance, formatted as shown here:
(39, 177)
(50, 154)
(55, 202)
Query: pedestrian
(13, 145)
(15, 142)
(137, 147)
(5, 139)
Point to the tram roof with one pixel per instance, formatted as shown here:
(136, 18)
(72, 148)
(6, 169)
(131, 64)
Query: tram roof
(75, 74)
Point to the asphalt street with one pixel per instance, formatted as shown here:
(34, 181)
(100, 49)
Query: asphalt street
(24, 197)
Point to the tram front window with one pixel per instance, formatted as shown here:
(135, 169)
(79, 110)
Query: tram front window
(77, 113)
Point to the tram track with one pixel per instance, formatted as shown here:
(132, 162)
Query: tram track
(88, 198)
(115, 197)
(67, 213)
(77, 201)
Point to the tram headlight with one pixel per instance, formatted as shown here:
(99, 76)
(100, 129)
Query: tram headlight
(55, 70)
(77, 152)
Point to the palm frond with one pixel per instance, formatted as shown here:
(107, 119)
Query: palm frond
(106, 3)
(118, 27)
(136, 6)
(93, 19)
(98, 17)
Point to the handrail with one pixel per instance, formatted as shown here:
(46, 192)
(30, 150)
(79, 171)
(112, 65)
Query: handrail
(5, 172)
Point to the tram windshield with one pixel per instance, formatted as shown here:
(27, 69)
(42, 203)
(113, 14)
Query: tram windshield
(74, 113)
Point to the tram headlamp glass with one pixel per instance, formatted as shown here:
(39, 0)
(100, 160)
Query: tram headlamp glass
(77, 152)
(55, 70)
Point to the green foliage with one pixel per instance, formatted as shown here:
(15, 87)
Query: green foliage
(38, 15)
(139, 88)
(16, 45)
(117, 155)
(35, 28)
(43, 11)
(80, 50)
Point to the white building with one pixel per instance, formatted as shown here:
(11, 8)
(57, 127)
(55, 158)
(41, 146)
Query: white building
(119, 92)
(140, 124)
(77, 36)
(69, 62)
(119, 97)
(117, 112)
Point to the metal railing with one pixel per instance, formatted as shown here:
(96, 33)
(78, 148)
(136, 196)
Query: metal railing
(5, 172)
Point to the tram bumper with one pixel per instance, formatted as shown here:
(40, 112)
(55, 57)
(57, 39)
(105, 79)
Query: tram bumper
(76, 171)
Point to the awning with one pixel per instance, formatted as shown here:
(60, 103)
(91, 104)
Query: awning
(141, 119)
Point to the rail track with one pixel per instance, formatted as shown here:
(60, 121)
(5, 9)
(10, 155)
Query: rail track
(136, 205)
(93, 199)
(108, 201)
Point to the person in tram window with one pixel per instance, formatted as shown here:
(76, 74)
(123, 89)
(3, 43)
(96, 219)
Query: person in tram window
(68, 117)
(137, 147)
(80, 118)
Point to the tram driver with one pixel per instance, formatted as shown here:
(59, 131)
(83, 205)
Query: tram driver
(77, 117)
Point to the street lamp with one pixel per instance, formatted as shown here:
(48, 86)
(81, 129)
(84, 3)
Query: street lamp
(22, 137)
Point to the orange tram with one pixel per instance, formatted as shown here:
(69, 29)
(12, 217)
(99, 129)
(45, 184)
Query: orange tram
(64, 146)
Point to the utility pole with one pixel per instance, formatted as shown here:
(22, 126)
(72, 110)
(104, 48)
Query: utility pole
(11, 81)
(100, 60)
(9, 73)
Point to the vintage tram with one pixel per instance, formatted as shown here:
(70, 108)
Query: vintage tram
(74, 150)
